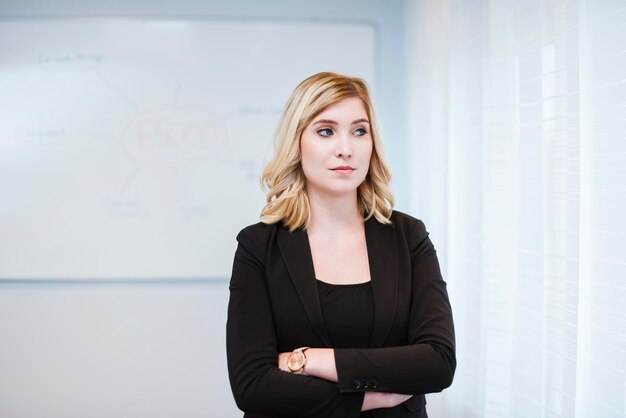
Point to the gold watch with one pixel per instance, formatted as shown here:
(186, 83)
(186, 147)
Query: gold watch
(297, 360)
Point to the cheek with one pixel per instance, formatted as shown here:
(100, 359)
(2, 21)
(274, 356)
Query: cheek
(367, 159)
(305, 154)
(311, 150)
(306, 167)
(367, 151)
(309, 158)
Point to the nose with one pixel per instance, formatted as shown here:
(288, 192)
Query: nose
(344, 150)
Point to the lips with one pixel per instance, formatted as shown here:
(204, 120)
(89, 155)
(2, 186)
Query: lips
(343, 168)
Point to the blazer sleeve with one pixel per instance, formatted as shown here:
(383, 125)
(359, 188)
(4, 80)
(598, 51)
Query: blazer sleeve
(257, 383)
(428, 362)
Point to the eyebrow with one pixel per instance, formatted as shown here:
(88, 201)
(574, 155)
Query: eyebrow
(332, 122)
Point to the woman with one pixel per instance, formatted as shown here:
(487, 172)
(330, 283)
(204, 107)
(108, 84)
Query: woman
(337, 306)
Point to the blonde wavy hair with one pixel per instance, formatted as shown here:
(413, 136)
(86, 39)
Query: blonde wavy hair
(283, 178)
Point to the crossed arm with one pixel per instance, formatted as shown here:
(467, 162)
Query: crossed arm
(321, 363)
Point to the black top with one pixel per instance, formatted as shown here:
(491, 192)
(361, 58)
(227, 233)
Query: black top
(348, 311)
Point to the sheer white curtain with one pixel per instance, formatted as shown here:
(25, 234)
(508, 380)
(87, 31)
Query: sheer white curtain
(517, 115)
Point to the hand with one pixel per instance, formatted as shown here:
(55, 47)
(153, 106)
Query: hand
(283, 358)
(375, 400)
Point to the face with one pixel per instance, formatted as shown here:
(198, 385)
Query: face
(336, 148)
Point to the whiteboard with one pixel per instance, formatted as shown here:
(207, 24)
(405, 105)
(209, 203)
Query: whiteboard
(132, 148)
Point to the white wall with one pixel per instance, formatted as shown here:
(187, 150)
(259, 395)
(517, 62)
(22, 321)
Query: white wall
(155, 348)
(113, 350)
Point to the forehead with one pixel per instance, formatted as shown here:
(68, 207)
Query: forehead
(348, 108)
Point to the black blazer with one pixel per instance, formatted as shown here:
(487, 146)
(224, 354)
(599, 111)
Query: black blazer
(274, 307)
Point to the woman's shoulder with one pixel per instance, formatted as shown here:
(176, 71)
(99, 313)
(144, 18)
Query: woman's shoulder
(414, 232)
(406, 221)
(257, 230)
(257, 235)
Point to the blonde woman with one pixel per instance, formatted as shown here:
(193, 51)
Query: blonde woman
(337, 306)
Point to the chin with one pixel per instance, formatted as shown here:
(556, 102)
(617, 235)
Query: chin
(335, 189)
(341, 192)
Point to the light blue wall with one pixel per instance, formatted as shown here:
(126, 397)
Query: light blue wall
(131, 349)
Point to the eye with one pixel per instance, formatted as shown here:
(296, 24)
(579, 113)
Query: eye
(325, 132)
(359, 132)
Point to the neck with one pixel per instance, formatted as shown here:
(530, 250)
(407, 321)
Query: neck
(334, 213)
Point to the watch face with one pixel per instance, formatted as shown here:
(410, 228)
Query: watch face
(296, 361)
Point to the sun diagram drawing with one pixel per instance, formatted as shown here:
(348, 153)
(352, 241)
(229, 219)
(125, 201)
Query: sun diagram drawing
(132, 148)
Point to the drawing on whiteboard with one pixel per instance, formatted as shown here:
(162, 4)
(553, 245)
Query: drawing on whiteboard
(67, 60)
(171, 136)
(38, 134)
(141, 142)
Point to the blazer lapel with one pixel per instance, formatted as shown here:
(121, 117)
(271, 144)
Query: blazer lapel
(383, 260)
(299, 261)
(383, 263)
